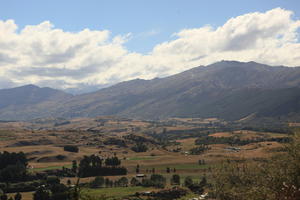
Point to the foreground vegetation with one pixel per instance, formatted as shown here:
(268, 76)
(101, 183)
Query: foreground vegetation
(276, 179)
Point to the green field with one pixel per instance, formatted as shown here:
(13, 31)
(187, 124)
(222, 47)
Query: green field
(116, 192)
(6, 135)
(142, 158)
(121, 192)
(6, 138)
(49, 168)
(180, 166)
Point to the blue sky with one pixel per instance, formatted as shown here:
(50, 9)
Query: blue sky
(83, 45)
(150, 22)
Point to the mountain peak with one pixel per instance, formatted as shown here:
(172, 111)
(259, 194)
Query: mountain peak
(230, 63)
(29, 86)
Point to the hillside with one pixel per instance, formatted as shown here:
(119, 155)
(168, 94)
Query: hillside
(228, 89)
(27, 101)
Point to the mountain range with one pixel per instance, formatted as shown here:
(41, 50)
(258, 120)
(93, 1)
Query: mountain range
(228, 90)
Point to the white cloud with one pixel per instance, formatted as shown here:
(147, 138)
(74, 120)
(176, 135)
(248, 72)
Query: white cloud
(44, 55)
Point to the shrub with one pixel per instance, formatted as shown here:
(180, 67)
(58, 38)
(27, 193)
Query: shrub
(139, 147)
(156, 180)
(97, 182)
(71, 148)
(175, 180)
(52, 180)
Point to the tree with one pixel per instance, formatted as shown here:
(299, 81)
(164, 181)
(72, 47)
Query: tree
(13, 166)
(137, 169)
(200, 162)
(74, 166)
(41, 194)
(71, 148)
(175, 180)
(60, 192)
(18, 196)
(114, 161)
(188, 181)
(134, 182)
(153, 170)
(107, 182)
(52, 180)
(92, 166)
(139, 147)
(203, 181)
(123, 182)
(168, 169)
(158, 180)
(97, 182)
(4, 197)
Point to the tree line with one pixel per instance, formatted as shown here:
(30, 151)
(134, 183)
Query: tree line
(207, 140)
(13, 167)
(94, 165)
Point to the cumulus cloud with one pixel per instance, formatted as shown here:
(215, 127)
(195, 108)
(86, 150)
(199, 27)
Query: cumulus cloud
(44, 55)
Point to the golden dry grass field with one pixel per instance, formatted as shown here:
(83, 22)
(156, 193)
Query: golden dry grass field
(43, 144)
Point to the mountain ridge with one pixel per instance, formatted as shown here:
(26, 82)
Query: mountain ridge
(229, 90)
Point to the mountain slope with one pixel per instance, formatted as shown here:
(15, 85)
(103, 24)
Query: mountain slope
(29, 94)
(218, 90)
(29, 101)
(228, 89)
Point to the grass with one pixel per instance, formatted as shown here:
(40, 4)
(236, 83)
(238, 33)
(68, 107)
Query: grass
(117, 192)
(6, 135)
(188, 196)
(49, 168)
(180, 166)
(25, 195)
(5, 138)
(142, 158)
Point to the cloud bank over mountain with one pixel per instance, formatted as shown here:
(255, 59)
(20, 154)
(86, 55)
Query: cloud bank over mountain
(46, 56)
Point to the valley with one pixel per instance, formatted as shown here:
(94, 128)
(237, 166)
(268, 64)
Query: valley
(169, 143)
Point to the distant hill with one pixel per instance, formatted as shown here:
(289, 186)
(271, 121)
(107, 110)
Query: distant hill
(29, 101)
(29, 94)
(228, 89)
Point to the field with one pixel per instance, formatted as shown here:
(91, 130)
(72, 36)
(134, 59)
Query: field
(43, 142)
(116, 192)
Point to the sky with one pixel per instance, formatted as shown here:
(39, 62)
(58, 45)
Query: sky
(85, 45)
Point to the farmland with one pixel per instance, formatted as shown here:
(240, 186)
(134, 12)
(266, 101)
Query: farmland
(168, 148)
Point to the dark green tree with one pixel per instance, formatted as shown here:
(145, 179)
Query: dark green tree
(158, 180)
(4, 197)
(114, 161)
(203, 181)
(134, 182)
(41, 194)
(188, 181)
(74, 166)
(168, 170)
(97, 182)
(175, 180)
(123, 182)
(60, 192)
